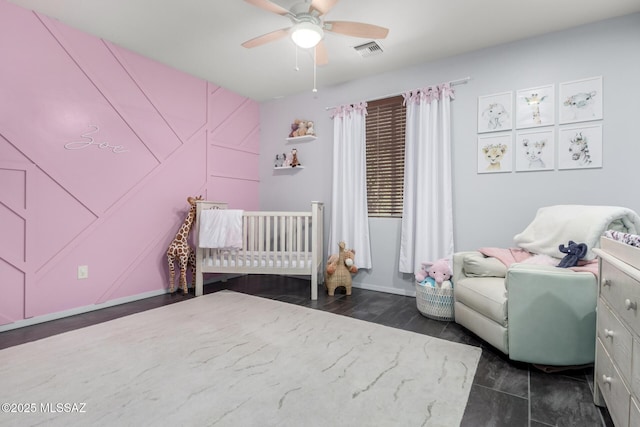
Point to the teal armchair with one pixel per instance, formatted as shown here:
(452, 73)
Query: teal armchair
(538, 314)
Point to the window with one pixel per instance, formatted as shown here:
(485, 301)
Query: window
(385, 156)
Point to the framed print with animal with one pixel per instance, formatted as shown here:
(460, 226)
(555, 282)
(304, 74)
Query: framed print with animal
(495, 112)
(580, 147)
(535, 107)
(494, 153)
(535, 150)
(580, 100)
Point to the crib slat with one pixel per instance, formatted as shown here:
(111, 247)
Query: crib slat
(298, 240)
(289, 240)
(267, 233)
(283, 236)
(261, 241)
(307, 236)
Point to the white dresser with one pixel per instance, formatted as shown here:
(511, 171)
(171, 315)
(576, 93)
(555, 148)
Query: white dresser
(617, 366)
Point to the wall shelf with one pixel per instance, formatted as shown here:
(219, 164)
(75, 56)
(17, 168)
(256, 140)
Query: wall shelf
(287, 167)
(305, 138)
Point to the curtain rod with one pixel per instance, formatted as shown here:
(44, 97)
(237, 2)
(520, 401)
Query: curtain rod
(452, 83)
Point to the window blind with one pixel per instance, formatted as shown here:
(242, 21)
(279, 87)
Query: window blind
(385, 127)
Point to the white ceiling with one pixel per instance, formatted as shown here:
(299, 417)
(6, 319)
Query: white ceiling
(203, 37)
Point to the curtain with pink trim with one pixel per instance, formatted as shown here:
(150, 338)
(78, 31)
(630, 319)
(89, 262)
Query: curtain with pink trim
(427, 216)
(349, 212)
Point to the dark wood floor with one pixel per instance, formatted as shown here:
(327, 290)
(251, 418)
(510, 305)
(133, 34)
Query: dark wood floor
(504, 393)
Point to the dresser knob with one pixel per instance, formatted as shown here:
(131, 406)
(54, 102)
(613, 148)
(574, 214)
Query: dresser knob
(608, 333)
(607, 282)
(630, 305)
(606, 379)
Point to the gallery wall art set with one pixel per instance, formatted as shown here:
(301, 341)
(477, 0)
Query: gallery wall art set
(529, 131)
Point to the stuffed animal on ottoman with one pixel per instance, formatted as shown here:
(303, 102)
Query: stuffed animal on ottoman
(339, 269)
(574, 251)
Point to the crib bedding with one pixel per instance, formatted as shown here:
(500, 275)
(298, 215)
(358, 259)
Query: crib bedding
(271, 243)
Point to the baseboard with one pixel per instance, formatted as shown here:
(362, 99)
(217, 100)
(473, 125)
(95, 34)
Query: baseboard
(80, 310)
(388, 290)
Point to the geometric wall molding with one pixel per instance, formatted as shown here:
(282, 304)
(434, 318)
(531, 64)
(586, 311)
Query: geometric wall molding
(100, 149)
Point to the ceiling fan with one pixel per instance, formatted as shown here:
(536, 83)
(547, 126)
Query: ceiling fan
(308, 26)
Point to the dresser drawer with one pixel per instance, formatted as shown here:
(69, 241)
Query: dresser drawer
(615, 337)
(612, 388)
(622, 293)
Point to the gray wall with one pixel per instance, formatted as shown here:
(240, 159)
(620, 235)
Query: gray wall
(489, 209)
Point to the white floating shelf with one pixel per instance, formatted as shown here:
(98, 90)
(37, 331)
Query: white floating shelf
(287, 167)
(304, 138)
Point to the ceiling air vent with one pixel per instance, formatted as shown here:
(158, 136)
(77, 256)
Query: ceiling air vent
(369, 49)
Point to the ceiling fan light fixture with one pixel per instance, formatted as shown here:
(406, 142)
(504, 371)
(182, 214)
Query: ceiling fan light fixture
(306, 34)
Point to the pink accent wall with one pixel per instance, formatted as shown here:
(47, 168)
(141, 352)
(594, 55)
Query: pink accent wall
(99, 149)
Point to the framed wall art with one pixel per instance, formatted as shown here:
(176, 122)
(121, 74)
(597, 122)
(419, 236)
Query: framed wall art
(580, 147)
(535, 149)
(495, 112)
(495, 153)
(535, 107)
(580, 100)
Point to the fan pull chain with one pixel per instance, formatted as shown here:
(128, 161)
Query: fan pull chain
(297, 68)
(315, 50)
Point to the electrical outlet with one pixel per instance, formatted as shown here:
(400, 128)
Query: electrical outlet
(83, 272)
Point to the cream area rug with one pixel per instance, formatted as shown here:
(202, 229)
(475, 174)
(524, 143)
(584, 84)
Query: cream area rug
(229, 359)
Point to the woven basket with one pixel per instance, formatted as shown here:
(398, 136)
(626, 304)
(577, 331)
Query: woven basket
(435, 303)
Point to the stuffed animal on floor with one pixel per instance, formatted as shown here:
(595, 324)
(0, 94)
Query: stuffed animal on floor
(574, 251)
(349, 259)
(439, 271)
(339, 269)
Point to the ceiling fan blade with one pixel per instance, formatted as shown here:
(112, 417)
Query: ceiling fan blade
(269, 6)
(356, 29)
(266, 38)
(322, 6)
(322, 58)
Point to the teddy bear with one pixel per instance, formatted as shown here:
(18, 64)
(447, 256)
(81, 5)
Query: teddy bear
(339, 269)
(574, 252)
(310, 129)
(294, 158)
(439, 271)
(302, 129)
(294, 128)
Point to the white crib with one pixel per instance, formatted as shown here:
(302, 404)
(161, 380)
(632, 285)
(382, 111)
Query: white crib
(287, 243)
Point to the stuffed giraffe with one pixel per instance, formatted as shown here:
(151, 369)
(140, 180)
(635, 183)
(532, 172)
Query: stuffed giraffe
(180, 250)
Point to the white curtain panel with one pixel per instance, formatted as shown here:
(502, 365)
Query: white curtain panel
(427, 215)
(349, 213)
